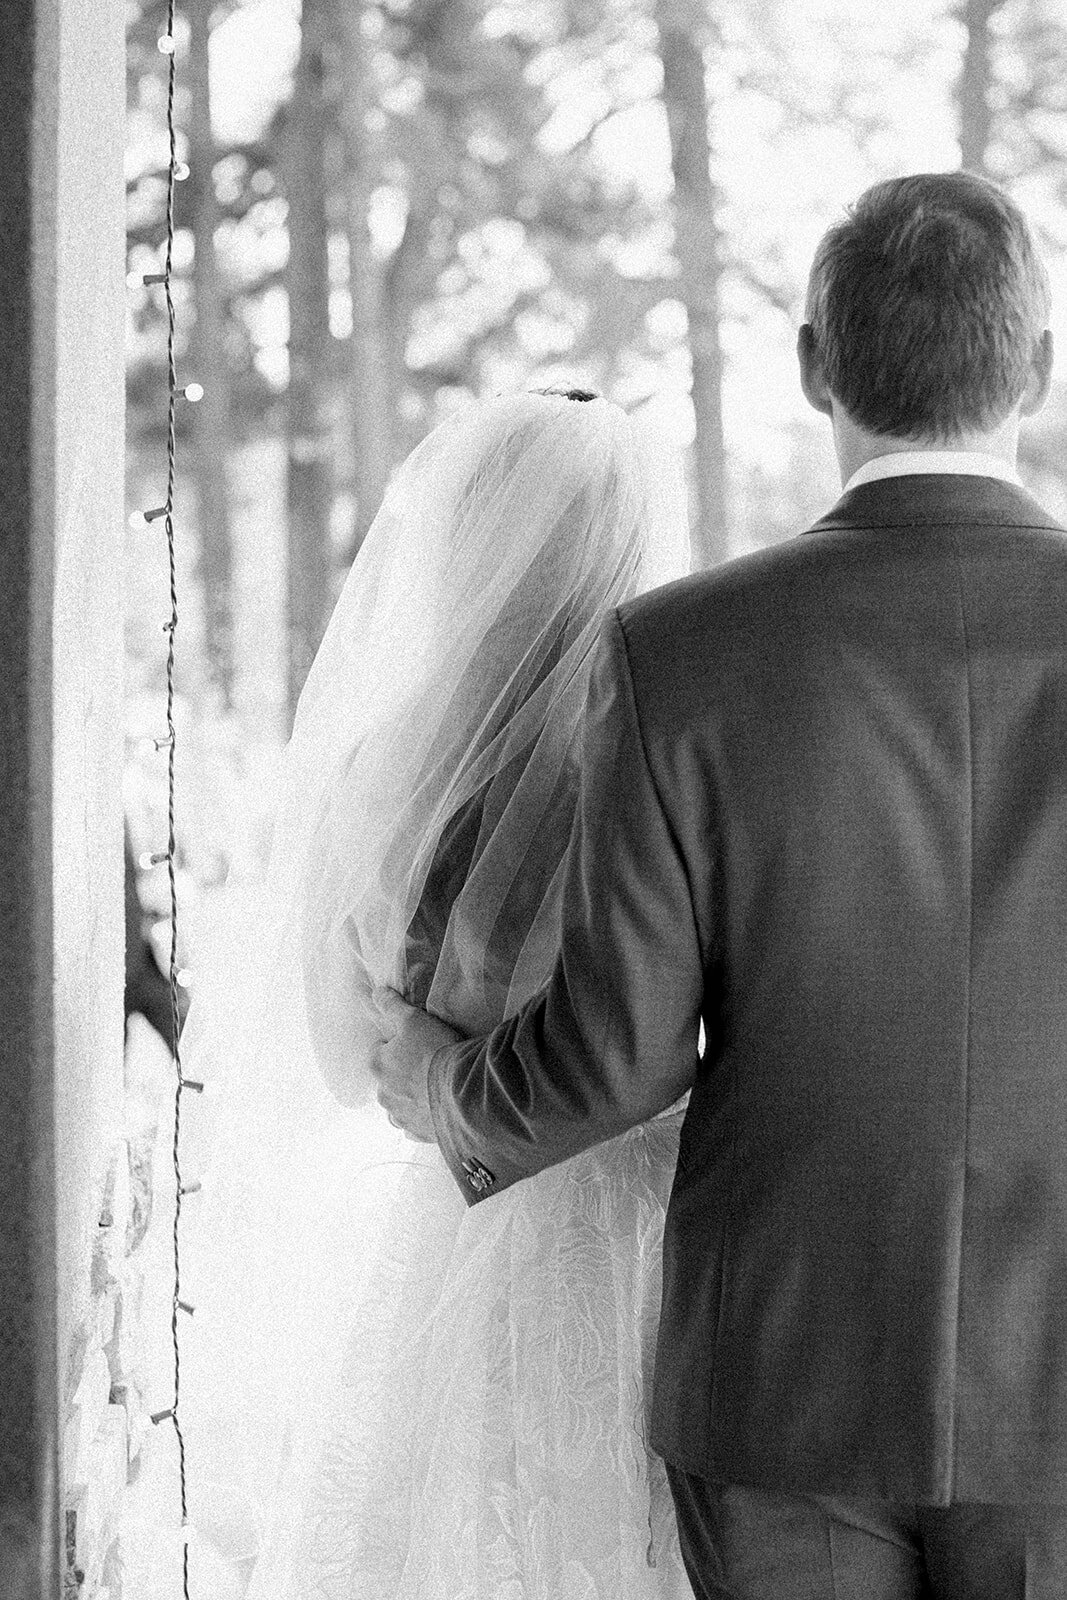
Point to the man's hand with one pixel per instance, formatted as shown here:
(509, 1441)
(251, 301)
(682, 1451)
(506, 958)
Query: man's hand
(402, 1064)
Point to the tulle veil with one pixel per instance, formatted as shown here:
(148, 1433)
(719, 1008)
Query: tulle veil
(449, 685)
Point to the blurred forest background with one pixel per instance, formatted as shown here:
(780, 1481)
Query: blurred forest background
(392, 206)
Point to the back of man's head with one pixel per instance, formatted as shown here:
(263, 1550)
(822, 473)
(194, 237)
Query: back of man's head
(926, 306)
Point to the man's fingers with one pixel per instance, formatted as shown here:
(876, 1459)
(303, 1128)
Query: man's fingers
(385, 1060)
(387, 1102)
(393, 1010)
(406, 1116)
(401, 1061)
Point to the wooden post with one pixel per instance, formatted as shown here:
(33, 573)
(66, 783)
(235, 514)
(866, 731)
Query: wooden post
(29, 1517)
(62, 84)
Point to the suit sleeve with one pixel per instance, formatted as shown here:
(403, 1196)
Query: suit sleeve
(612, 1039)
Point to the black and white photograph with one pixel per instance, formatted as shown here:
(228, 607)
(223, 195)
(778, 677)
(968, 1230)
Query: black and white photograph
(533, 800)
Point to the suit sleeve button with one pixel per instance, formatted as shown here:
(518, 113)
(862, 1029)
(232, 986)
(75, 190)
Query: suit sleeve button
(479, 1177)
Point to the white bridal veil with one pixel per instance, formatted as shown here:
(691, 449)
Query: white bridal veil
(427, 795)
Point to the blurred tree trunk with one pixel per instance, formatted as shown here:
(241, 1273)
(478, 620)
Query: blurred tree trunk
(308, 289)
(683, 28)
(372, 399)
(207, 354)
(405, 279)
(974, 84)
(447, 36)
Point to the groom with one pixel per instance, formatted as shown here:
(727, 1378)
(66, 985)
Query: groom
(824, 809)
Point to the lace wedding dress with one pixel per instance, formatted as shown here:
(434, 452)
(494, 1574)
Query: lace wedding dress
(488, 1436)
(434, 1402)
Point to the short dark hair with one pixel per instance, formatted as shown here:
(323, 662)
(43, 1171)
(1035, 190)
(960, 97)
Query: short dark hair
(926, 306)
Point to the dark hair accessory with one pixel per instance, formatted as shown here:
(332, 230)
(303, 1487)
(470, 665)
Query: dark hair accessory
(571, 394)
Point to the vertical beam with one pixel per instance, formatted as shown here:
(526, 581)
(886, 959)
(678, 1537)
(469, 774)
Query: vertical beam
(61, 428)
(29, 1516)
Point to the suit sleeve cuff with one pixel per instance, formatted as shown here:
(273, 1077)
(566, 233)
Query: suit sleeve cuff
(444, 1064)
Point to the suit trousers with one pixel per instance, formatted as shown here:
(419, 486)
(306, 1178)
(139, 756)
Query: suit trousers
(752, 1544)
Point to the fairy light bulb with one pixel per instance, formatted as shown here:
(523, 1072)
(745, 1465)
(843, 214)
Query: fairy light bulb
(193, 392)
(165, 44)
(208, 1090)
(145, 519)
(181, 171)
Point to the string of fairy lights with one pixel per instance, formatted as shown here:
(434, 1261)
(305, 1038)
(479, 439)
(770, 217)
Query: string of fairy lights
(192, 393)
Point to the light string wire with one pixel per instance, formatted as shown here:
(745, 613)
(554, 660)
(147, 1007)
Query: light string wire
(167, 45)
(172, 401)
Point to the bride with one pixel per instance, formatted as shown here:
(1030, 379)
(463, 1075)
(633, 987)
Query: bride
(427, 800)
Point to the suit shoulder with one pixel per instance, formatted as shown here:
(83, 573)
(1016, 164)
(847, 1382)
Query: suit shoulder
(738, 589)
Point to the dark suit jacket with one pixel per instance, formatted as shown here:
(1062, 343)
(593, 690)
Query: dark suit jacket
(824, 807)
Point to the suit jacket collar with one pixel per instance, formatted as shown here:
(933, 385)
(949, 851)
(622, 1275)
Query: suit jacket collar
(936, 499)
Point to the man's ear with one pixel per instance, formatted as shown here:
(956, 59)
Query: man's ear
(1037, 384)
(812, 380)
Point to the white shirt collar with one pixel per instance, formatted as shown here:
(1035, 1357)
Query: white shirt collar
(902, 463)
